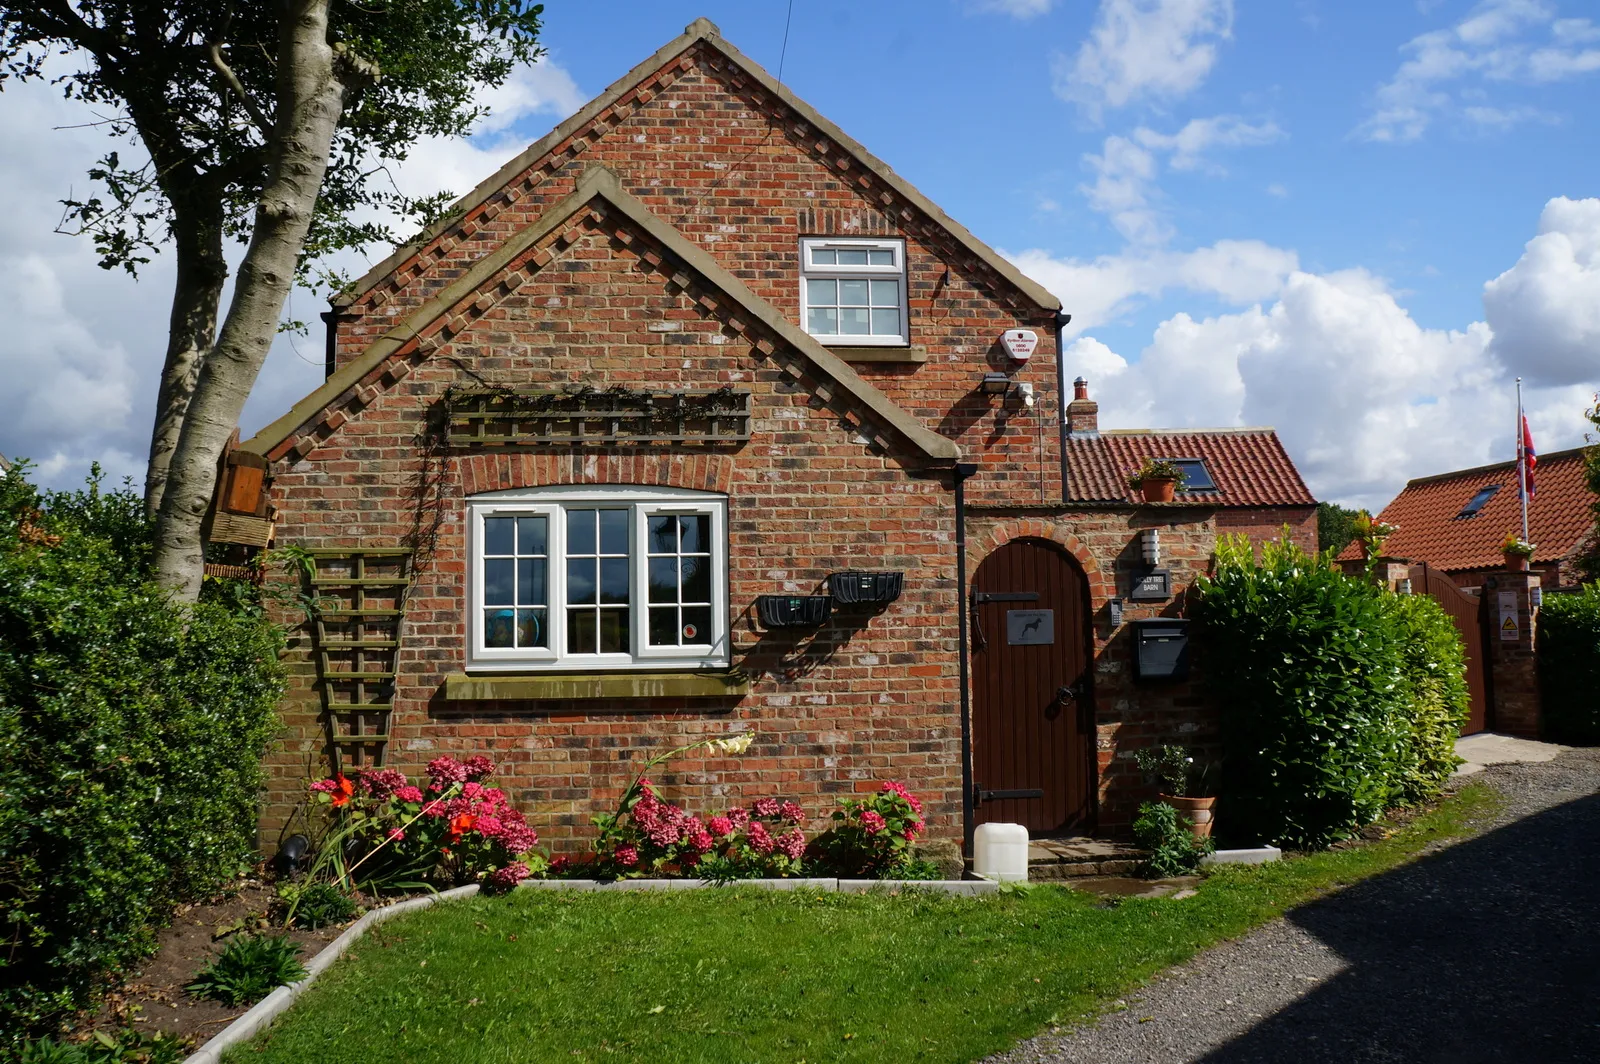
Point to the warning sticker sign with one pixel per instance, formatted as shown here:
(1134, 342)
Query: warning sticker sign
(1510, 632)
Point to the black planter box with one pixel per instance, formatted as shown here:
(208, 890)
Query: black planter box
(793, 611)
(861, 587)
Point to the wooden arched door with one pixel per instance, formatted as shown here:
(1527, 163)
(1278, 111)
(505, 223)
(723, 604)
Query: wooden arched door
(1032, 689)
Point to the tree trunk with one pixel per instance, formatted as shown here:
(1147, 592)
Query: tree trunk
(196, 298)
(310, 99)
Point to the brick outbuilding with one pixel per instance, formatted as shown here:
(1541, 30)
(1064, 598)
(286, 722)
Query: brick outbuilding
(683, 369)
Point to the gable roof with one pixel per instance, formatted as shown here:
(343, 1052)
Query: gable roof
(1249, 465)
(1428, 530)
(701, 29)
(600, 182)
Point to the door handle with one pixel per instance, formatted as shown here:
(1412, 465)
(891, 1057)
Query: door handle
(1066, 693)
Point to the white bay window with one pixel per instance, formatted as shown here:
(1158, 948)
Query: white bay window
(604, 577)
(853, 291)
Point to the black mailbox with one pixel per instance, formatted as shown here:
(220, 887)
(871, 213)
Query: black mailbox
(1161, 648)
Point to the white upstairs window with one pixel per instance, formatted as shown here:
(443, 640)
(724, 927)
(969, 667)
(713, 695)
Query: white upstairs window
(605, 577)
(853, 291)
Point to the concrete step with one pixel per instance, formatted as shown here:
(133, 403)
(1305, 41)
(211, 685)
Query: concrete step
(1070, 858)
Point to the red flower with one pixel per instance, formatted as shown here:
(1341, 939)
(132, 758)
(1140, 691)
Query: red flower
(342, 790)
(460, 824)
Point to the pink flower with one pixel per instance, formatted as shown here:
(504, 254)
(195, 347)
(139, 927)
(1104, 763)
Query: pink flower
(324, 786)
(872, 820)
(766, 807)
(739, 817)
(702, 841)
(380, 783)
(443, 771)
(477, 767)
(489, 825)
(720, 826)
(505, 878)
(792, 813)
(761, 840)
(408, 793)
(627, 856)
(560, 863)
(471, 790)
(396, 835)
(900, 790)
(792, 844)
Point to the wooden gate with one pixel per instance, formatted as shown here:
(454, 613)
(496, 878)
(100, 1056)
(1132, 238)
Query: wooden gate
(1468, 613)
(1031, 693)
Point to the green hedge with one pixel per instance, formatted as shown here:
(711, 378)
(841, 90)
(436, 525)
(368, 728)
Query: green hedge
(1338, 699)
(1569, 666)
(131, 733)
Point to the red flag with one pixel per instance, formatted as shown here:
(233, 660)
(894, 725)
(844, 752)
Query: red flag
(1530, 460)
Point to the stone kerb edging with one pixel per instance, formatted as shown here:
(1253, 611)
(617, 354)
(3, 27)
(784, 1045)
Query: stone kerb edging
(270, 1007)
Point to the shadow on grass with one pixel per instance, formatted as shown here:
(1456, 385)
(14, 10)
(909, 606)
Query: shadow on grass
(1487, 951)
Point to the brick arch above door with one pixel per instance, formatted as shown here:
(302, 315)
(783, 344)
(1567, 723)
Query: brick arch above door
(1101, 583)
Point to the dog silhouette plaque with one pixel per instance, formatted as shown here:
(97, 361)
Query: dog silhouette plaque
(1030, 628)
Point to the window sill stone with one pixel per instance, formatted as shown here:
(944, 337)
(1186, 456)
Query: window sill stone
(887, 353)
(523, 687)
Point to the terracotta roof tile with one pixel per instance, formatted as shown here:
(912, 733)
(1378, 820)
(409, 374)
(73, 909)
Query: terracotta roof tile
(1429, 530)
(1250, 466)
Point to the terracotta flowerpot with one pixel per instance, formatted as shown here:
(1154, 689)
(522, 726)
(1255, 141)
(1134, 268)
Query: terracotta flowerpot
(1198, 811)
(1517, 563)
(1158, 489)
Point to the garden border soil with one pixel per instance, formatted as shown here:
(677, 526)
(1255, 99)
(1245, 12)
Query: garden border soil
(273, 1005)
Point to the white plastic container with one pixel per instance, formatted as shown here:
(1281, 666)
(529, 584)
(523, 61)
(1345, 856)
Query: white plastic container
(1000, 852)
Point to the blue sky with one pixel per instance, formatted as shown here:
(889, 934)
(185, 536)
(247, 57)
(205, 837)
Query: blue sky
(1356, 221)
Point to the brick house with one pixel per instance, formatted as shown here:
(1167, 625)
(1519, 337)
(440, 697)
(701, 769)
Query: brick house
(1456, 521)
(639, 396)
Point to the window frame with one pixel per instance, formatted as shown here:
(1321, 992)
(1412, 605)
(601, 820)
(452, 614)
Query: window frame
(553, 503)
(809, 271)
(1213, 489)
(1487, 493)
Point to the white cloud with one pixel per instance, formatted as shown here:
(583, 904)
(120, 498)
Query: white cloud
(1492, 44)
(1189, 145)
(1545, 310)
(1099, 291)
(1125, 171)
(1138, 49)
(1363, 396)
(1124, 182)
(1023, 9)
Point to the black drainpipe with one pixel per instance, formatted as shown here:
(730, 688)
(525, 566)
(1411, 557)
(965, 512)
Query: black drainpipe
(964, 470)
(1062, 320)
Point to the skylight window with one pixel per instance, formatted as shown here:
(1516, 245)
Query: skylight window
(1196, 477)
(1478, 501)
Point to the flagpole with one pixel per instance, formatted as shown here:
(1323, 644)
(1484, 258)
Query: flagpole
(1522, 464)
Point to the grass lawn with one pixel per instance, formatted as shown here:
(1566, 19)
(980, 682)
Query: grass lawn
(747, 975)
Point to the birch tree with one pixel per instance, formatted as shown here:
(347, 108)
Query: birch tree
(269, 122)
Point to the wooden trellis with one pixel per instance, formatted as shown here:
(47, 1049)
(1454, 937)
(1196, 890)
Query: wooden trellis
(360, 603)
(504, 418)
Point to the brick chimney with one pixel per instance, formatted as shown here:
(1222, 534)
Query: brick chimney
(1083, 413)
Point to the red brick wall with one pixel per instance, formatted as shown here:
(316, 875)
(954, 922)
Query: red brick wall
(744, 177)
(822, 486)
(1267, 523)
(854, 703)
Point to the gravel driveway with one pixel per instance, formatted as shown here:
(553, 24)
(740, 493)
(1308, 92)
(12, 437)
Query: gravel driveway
(1485, 950)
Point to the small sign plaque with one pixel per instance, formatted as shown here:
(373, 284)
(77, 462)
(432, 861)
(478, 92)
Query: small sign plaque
(1152, 586)
(1030, 628)
(1510, 630)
